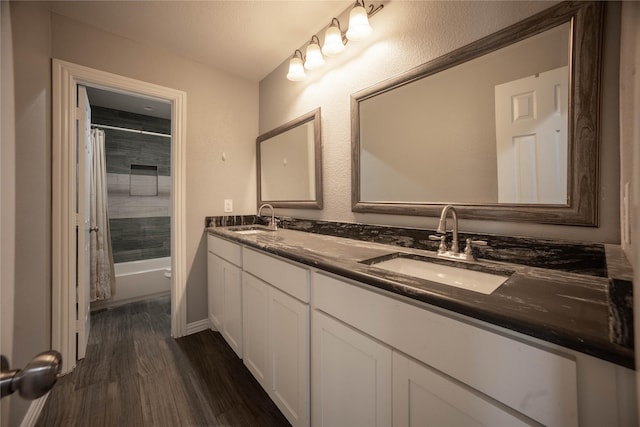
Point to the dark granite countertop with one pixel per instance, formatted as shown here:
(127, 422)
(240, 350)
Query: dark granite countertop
(580, 310)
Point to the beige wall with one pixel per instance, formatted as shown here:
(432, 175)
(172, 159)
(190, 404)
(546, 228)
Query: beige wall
(222, 116)
(407, 34)
(32, 167)
(630, 143)
(629, 124)
(7, 196)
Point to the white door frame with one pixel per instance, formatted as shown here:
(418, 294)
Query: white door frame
(66, 78)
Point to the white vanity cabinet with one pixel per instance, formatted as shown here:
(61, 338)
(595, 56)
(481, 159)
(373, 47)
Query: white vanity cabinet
(276, 331)
(224, 280)
(443, 369)
(331, 351)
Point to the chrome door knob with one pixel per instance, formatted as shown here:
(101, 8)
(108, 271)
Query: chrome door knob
(36, 379)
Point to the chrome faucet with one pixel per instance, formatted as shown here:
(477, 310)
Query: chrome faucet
(454, 252)
(272, 223)
(442, 227)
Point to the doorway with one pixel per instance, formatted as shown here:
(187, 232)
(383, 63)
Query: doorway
(67, 77)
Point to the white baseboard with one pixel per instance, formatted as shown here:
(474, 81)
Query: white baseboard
(199, 326)
(31, 417)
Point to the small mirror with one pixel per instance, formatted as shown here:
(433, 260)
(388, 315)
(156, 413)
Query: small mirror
(504, 128)
(289, 164)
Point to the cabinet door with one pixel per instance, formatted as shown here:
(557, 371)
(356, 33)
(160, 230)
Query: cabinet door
(289, 350)
(232, 319)
(215, 278)
(423, 397)
(351, 376)
(255, 299)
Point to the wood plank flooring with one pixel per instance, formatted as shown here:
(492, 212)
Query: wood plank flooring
(135, 374)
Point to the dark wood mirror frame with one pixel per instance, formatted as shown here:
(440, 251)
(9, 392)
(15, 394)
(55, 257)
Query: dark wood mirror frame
(587, 22)
(312, 116)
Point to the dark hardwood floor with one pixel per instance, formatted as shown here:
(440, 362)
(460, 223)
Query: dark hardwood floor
(135, 374)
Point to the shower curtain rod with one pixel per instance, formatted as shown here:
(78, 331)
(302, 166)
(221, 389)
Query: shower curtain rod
(131, 130)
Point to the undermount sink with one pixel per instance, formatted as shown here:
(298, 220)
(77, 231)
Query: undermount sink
(249, 230)
(460, 277)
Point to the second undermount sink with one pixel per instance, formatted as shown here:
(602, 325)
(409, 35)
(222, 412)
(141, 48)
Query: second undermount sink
(460, 277)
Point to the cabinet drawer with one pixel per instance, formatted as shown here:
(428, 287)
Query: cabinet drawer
(283, 275)
(225, 249)
(535, 382)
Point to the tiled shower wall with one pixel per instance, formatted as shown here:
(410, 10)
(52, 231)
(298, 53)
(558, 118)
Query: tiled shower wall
(138, 184)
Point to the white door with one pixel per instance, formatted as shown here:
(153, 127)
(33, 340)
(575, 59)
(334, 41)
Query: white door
(83, 223)
(531, 138)
(351, 377)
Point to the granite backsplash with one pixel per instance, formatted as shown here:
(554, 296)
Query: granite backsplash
(572, 257)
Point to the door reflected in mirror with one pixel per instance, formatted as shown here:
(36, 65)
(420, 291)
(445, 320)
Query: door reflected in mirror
(289, 164)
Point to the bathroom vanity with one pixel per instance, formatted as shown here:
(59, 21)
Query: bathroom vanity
(335, 340)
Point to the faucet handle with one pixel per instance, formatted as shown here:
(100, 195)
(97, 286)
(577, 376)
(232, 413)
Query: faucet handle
(442, 238)
(468, 250)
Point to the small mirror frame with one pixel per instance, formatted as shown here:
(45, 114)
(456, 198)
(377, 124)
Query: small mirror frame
(583, 130)
(296, 204)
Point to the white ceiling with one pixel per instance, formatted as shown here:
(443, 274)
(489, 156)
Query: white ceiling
(246, 38)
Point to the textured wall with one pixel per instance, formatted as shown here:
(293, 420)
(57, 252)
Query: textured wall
(407, 34)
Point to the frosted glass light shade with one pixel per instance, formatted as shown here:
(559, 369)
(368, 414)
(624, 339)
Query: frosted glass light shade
(332, 41)
(359, 27)
(314, 57)
(296, 70)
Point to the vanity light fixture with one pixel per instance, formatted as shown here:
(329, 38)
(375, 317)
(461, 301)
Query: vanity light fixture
(359, 27)
(296, 69)
(313, 58)
(334, 41)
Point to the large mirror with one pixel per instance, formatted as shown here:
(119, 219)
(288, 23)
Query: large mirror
(289, 160)
(504, 128)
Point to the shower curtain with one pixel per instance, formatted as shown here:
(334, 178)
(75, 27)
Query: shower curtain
(102, 270)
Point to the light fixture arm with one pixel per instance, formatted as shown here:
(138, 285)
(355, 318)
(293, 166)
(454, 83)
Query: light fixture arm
(334, 42)
(372, 9)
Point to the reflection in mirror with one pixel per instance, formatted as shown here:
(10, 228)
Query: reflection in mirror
(289, 164)
(489, 127)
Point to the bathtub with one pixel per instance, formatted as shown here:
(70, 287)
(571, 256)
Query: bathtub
(138, 280)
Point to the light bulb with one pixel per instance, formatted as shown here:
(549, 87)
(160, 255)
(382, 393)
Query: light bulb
(332, 41)
(296, 70)
(359, 27)
(314, 59)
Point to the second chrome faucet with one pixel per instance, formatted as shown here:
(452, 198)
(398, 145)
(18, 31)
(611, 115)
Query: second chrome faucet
(454, 251)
